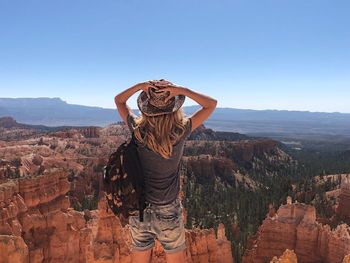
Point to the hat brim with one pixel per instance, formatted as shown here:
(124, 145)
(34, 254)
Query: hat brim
(150, 110)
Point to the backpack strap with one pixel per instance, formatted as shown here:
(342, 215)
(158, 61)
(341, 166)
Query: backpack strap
(133, 137)
(141, 182)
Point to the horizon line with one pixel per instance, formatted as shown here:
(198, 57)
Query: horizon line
(224, 107)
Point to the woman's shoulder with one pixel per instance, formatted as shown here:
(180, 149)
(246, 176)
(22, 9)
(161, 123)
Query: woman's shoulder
(188, 127)
(187, 132)
(131, 121)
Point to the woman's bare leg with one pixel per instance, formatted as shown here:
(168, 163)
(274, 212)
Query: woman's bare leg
(141, 256)
(176, 257)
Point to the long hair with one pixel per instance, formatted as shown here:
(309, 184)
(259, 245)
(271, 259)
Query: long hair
(159, 133)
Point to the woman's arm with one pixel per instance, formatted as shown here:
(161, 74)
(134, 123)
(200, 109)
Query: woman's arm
(208, 104)
(121, 98)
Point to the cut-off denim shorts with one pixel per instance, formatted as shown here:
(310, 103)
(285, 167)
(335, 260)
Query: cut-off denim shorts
(163, 222)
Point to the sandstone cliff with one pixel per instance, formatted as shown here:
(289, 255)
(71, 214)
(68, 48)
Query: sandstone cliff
(35, 210)
(343, 208)
(36, 217)
(288, 256)
(294, 226)
(347, 259)
(38, 225)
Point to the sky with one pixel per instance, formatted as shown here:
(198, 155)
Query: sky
(247, 54)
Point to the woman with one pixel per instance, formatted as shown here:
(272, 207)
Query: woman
(161, 131)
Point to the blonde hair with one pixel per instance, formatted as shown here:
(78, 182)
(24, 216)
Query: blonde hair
(161, 132)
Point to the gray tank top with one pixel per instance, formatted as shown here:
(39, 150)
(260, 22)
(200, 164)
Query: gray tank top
(162, 177)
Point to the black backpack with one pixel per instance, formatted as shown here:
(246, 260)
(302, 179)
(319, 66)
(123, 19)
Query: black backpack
(123, 182)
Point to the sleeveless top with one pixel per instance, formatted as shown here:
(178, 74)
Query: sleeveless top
(162, 177)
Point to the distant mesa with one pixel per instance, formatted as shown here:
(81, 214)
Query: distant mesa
(9, 122)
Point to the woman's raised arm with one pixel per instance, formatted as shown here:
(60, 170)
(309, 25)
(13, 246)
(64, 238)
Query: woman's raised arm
(121, 98)
(208, 104)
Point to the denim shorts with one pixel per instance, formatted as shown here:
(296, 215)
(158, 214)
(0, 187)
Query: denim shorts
(163, 222)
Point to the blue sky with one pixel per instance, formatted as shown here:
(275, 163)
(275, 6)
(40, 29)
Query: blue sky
(262, 54)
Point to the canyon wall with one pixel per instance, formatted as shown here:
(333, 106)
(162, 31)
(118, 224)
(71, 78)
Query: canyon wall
(35, 210)
(294, 227)
(38, 225)
(288, 256)
(343, 208)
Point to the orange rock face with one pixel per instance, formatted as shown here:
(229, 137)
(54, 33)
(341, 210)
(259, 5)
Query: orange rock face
(203, 246)
(13, 249)
(287, 257)
(36, 210)
(344, 197)
(90, 132)
(38, 225)
(294, 226)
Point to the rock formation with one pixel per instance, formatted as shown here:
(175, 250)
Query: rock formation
(38, 225)
(35, 210)
(9, 122)
(347, 259)
(287, 257)
(90, 132)
(242, 155)
(13, 249)
(203, 246)
(344, 197)
(111, 241)
(294, 226)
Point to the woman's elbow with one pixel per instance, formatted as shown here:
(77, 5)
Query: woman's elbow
(214, 102)
(210, 104)
(117, 100)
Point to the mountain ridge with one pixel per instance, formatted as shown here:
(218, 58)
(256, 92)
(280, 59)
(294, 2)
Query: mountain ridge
(57, 112)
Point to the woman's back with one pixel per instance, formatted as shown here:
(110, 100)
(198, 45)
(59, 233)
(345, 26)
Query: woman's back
(162, 180)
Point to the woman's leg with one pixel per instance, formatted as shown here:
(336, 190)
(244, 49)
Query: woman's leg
(142, 238)
(169, 226)
(175, 257)
(141, 256)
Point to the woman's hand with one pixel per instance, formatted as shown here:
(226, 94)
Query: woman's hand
(148, 84)
(161, 82)
(162, 85)
(173, 90)
(156, 84)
